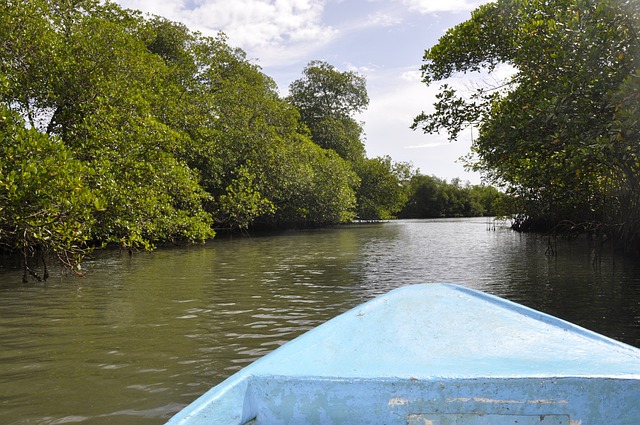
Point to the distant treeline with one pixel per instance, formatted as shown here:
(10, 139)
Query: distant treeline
(431, 197)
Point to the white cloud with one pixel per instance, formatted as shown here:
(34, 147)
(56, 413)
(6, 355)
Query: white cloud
(435, 6)
(362, 70)
(427, 145)
(411, 76)
(168, 8)
(280, 30)
(383, 19)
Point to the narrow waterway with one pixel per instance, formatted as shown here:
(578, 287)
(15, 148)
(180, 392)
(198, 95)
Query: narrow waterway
(142, 336)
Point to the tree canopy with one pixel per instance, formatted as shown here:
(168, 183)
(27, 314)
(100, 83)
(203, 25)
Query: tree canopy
(122, 129)
(557, 132)
(432, 197)
(327, 100)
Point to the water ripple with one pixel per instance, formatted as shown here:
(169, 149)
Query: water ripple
(142, 336)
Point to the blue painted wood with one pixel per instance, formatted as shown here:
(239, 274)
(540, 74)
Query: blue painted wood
(433, 354)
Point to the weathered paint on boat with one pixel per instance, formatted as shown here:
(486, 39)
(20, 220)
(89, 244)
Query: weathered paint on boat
(433, 355)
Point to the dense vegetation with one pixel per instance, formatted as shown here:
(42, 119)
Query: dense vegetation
(116, 128)
(562, 132)
(431, 197)
(328, 100)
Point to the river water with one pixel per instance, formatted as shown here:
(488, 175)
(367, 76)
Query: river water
(140, 337)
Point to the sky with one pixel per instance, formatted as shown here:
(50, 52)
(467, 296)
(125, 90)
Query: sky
(382, 40)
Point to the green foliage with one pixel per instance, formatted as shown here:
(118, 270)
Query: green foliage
(327, 100)
(323, 91)
(342, 135)
(241, 203)
(329, 196)
(311, 186)
(623, 148)
(431, 197)
(547, 133)
(45, 204)
(159, 134)
(253, 160)
(383, 190)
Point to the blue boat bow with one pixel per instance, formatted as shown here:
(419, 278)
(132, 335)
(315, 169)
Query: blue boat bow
(433, 354)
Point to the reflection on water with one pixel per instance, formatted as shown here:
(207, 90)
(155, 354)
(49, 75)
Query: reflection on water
(143, 336)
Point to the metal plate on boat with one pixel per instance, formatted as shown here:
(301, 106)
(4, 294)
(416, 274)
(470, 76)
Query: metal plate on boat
(479, 419)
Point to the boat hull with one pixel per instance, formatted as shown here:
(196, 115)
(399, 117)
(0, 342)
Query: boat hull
(436, 355)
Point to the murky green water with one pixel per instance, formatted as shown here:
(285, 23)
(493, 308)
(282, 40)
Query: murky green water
(141, 337)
